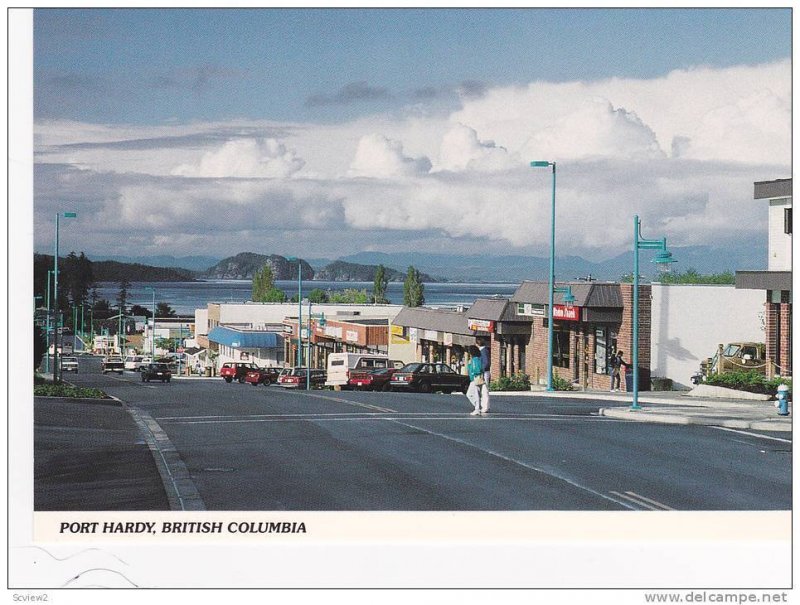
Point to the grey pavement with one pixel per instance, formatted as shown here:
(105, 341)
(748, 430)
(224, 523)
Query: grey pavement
(679, 407)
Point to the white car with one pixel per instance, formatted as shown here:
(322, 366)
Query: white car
(69, 364)
(133, 362)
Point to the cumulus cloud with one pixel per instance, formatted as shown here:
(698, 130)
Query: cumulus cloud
(461, 150)
(380, 157)
(682, 151)
(245, 158)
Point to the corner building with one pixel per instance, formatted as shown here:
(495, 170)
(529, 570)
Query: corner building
(584, 335)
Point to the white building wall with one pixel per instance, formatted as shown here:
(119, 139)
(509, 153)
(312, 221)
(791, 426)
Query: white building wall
(256, 315)
(689, 321)
(780, 243)
(201, 322)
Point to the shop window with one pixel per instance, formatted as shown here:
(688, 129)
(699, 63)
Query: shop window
(521, 357)
(605, 344)
(561, 348)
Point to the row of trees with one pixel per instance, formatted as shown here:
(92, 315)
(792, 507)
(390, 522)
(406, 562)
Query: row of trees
(690, 276)
(265, 290)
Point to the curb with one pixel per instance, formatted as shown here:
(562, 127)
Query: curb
(762, 424)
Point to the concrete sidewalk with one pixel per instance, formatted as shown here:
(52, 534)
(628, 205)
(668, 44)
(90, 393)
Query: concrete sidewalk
(677, 407)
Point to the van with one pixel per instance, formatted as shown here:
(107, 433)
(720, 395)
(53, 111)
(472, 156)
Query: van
(341, 364)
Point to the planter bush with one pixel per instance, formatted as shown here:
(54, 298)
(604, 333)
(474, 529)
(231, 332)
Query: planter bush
(517, 382)
(661, 384)
(66, 390)
(562, 384)
(751, 381)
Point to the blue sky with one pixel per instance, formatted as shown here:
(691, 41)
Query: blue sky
(322, 133)
(144, 66)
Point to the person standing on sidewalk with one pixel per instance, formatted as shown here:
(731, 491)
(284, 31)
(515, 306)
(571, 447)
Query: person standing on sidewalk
(475, 371)
(486, 363)
(617, 362)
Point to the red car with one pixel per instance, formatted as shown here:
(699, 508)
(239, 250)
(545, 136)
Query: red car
(372, 380)
(265, 376)
(296, 378)
(236, 370)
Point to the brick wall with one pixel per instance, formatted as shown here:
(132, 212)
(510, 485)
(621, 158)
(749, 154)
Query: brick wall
(785, 340)
(625, 334)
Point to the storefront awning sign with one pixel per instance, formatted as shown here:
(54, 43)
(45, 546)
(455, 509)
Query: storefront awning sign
(565, 313)
(352, 335)
(481, 325)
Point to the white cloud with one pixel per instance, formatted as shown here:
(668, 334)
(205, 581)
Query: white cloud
(380, 157)
(681, 151)
(245, 158)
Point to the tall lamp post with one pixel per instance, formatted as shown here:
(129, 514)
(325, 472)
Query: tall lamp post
(299, 309)
(56, 373)
(153, 330)
(663, 259)
(551, 289)
(47, 329)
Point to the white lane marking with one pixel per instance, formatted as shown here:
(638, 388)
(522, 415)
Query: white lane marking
(643, 501)
(343, 400)
(724, 428)
(518, 462)
(353, 417)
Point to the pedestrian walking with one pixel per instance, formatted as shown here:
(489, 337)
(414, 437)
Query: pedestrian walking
(486, 363)
(475, 371)
(616, 363)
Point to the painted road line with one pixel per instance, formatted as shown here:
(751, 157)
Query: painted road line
(549, 473)
(358, 417)
(641, 501)
(347, 401)
(759, 435)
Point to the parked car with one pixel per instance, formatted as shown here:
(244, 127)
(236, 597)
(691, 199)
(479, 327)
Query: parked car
(112, 364)
(372, 380)
(265, 376)
(69, 364)
(429, 377)
(156, 371)
(342, 365)
(133, 362)
(236, 370)
(296, 378)
(143, 363)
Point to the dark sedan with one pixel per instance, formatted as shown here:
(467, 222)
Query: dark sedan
(371, 380)
(156, 371)
(429, 377)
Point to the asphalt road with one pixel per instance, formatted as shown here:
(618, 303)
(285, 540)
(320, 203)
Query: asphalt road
(267, 448)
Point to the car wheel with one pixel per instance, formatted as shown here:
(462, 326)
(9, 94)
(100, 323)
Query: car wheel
(241, 379)
(228, 379)
(425, 387)
(142, 377)
(167, 379)
(266, 382)
(447, 391)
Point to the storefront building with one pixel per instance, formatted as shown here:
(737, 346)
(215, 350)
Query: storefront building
(776, 282)
(436, 335)
(585, 335)
(505, 331)
(322, 336)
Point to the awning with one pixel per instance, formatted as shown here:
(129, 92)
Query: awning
(245, 339)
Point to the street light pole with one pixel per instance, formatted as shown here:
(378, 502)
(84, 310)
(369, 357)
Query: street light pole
(663, 260)
(47, 333)
(56, 373)
(551, 289)
(153, 330)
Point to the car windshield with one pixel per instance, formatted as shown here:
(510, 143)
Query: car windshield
(412, 367)
(381, 371)
(69, 360)
(160, 366)
(731, 350)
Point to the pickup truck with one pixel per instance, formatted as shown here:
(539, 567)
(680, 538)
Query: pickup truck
(113, 364)
(731, 357)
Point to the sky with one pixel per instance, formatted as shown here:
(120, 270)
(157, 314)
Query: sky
(326, 132)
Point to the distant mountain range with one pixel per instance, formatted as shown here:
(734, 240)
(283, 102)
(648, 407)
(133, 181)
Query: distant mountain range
(467, 268)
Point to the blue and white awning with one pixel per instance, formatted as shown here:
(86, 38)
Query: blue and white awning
(241, 339)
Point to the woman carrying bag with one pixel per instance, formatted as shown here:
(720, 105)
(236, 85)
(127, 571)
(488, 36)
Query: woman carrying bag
(476, 380)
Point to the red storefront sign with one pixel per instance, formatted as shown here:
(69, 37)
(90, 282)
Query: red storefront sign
(565, 313)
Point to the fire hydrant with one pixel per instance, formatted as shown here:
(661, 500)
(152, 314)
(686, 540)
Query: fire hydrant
(783, 400)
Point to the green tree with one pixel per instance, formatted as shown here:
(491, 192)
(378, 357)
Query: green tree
(164, 310)
(122, 295)
(379, 286)
(264, 289)
(413, 289)
(318, 296)
(140, 311)
(349, 296)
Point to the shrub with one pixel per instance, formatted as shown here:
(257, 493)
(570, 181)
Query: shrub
(67, 390)
(561, 384)
(517, 382)
(750, 380)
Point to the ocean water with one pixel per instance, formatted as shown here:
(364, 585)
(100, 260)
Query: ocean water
(185, 297)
